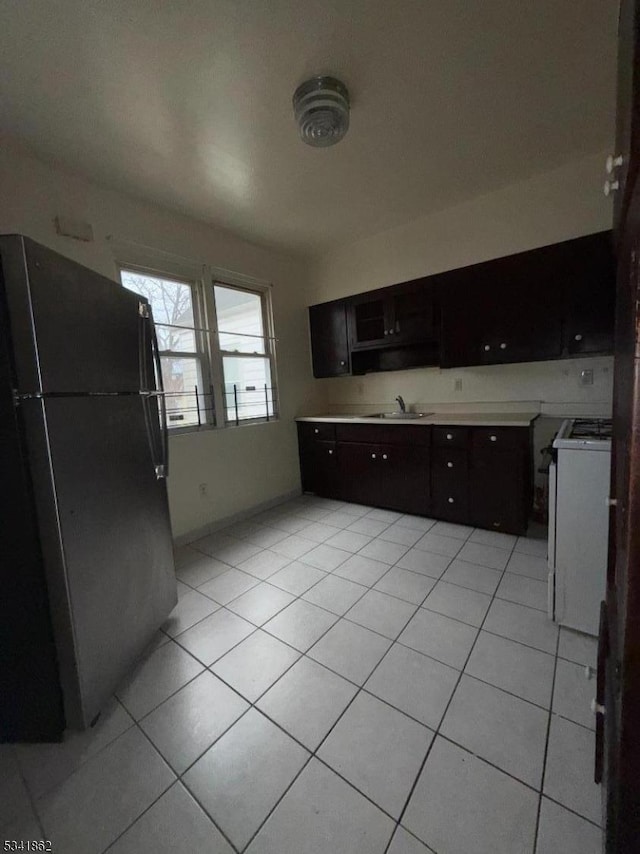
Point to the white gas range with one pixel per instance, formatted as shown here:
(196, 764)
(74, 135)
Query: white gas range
(579, 522)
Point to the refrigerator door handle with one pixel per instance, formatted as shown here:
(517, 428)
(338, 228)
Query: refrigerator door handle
(162, 470)
(599, 705)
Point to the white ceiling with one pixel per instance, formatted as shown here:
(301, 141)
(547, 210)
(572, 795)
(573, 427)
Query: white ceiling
(187, 103)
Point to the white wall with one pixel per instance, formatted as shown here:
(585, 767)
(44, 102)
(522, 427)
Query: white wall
(242, 466)
(558, 205)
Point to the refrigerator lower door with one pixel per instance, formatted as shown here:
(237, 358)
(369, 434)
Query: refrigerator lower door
(106, 540)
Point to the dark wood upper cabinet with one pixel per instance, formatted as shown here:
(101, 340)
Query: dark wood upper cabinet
(537, 305)
(369, 320)
(400, 315)
(329, 342)
(554, 302)
(589, 295)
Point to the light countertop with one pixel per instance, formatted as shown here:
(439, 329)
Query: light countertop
(471, 419)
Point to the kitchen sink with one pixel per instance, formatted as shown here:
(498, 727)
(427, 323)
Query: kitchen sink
(408, 415)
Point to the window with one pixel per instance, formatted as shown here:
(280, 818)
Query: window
(246, 353)
(216, 348)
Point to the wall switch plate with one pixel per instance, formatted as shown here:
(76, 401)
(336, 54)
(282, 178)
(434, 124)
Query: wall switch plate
(457, 385)
(586, 377)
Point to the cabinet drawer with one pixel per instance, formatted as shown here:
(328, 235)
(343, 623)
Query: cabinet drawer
(499, 438)
(449, 501)
(451, 437)
(318, 430)
(451, 463)
(384, 434)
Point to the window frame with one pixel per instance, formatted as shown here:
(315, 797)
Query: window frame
(208, 351)
(269, 339)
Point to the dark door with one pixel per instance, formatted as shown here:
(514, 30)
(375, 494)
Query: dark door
(589, 285)
(359, 472)
(496, 490)
(324, 461)
(369, 321)
(329, 340)
(412, 313)
(618, 743)
(73, 330)
(106, 536)
(404, 478)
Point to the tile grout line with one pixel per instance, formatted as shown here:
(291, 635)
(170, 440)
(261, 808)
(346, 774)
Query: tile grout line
(444, 714)
(546, 747)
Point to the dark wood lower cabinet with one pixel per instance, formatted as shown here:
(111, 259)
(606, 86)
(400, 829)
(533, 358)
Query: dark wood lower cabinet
(497, 491)
(472, 475)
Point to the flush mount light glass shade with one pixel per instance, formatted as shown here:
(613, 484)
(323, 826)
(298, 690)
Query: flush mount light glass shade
(321, 108)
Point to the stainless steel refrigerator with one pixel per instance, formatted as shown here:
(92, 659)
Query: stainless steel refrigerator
(85, 540)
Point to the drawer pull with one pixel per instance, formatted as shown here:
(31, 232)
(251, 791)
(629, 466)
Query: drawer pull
(449, 436)
(384, 456)
(497, 524)
(493, 438)
(449, 465)
(503, 346)
(577, 337)
(330, 452)
(342, 364)
(315, 430)
(451, 500)
(487, 347)
(373, 456)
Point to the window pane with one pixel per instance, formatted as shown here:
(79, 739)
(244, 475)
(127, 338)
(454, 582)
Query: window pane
(239, 320)
(247, 388)
(181, 377)
(172, 304)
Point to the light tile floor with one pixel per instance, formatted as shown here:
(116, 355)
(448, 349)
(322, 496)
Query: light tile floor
(334, 680)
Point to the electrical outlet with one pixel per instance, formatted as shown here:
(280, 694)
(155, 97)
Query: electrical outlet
(202, 489)
(457, 384)
(586, 377)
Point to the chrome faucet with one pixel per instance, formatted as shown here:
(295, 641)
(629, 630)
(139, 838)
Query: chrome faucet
(401, 404)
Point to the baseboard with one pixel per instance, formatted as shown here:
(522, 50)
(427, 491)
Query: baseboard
(211, 527)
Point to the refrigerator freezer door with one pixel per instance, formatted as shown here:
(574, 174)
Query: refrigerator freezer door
(73, 330)
(113, 553)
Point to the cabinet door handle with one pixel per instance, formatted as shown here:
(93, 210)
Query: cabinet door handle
(493, 438)
(315, 430)
(451, 500)
(449, 436)
(342, 364)
(386, 331)
(330, 452)
(503, 346)
(449, 465)
(487, 347)
(391, 331)
(384, 456)
(373, 456)
(577, 337)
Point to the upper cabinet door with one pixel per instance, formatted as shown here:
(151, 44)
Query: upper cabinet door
(329, 341)
(370, 324)
(412, 312)
(589, 295)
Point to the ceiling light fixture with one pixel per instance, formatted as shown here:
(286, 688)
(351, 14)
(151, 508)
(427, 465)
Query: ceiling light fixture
(321, 108)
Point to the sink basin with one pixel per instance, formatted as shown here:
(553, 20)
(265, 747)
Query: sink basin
(410, 416)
